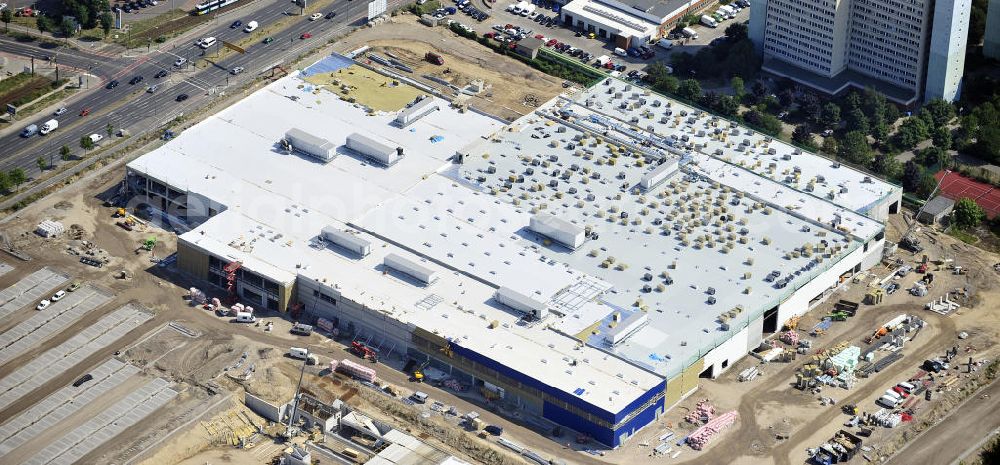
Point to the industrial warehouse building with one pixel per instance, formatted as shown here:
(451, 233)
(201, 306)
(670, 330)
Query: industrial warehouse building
(587, 263)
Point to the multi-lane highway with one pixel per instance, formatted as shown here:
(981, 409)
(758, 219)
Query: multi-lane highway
(133, 108)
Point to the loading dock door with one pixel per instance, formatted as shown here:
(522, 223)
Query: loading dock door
(771, 320)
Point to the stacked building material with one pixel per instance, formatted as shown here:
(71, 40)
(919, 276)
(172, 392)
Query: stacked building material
(886, 418)
(702, 413)
(356, 370)
(846, 359)
(453, 385)
(790, 337)
(700, 437)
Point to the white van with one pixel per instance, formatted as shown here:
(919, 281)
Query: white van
(207, 42)
(299, 353)
(245, 317)
(621, 52)
(250, 26)
(665, 43)
(895, 395)
(48, 127)
(419, 397)
(887, 401)
(907, 386)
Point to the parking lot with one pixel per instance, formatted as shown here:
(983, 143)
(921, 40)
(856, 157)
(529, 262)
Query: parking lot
(545, 22)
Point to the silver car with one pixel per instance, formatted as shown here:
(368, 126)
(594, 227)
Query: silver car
(237, 70)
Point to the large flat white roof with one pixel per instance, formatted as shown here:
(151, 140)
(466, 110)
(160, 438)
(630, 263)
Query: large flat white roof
(693, 252)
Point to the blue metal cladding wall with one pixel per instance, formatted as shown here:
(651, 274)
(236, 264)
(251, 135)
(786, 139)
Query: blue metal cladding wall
(571, 420)
(601, 434)
(641, 400)
(534, 383)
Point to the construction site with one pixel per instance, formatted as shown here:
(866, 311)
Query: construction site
(607, 276)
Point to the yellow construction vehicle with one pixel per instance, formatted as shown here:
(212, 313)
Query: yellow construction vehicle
(792, 323)
(119, 213)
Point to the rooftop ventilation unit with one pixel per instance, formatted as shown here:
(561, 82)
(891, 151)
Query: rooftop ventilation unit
(410, 268)
(316, 147)
(418, 110)
(346, 240)
(374, 150)
(522, 303)
(557, 229)
(625, 328)
(659, 174)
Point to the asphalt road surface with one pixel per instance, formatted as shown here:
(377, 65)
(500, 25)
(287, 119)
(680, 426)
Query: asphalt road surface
(958, 435)
(131, 107)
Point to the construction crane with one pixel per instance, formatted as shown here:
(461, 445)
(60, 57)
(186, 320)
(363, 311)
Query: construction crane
(908, 240)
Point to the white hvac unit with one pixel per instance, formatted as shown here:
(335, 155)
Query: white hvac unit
(347, 240)
(410, 268)
(522, 303)
(372, 149)
(558, 229)
(316, 147)
(659, 174)
(416, 111)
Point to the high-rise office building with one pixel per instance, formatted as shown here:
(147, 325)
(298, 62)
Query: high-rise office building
(908, 49)
(991, 41)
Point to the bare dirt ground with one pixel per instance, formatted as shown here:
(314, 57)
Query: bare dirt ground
(514, 88)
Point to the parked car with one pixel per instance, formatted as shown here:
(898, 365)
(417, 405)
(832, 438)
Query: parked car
(305, 36)
(43, 305)
(95, 138)
(60, 111)
(180, 62)
(74, 286)
(160, 73)
(331, 15)
(182, 97)
(111, 85)
(236, 24)
(58, 295)
(315, 16)
(237, 70)
(135, 80)
(268, 40)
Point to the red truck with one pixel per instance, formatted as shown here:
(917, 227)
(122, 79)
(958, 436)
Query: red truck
(434, 58)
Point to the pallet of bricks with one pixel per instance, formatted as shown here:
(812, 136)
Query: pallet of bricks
(703, 413)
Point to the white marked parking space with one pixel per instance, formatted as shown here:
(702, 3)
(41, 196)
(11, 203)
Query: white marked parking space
(48, 322)
(63, 403)
(5, 268)
(29, 289)
(125, 413)
(65, 356)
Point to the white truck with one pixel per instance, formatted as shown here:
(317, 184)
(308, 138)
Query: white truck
(48, 126)
(603, 59)
(689, 33)
(709, 21)
(728, 11)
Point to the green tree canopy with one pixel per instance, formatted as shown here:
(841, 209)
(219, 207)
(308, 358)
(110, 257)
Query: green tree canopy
(968, 214)
(855, 149)
(831, 115)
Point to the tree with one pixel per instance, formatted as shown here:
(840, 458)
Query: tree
(710, 99)
(17, 177)
(910, 133)
(690, 90)
(968, 214)
(737, 31)
(86, 143)
(5, 183)
(67, 27)
(911, 176)
(831, 115)
(802, 136)
(940, 112)
(852, 102)
(942, 138)
(45, 23)
(886, 165)
(811, 108)
(728, 106)
(6, 16)
(739, 88)
(42, 164)
(926, 186)
(64, 153)
(667, 85)
(855, 149)
(656, 71)
(857, 121)
(829, 146)
(880, 131)
(109, 129)
(765, 122)
(107, 22)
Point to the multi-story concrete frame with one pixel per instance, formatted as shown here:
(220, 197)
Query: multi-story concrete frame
(887, 44)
